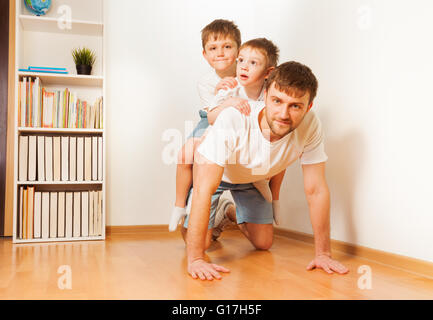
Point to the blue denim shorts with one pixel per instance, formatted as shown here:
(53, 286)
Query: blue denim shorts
(250, 205)
(201, 126)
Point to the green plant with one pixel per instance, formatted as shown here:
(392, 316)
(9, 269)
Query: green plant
(83, 56)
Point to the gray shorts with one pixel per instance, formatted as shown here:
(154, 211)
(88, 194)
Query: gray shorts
(201, 126)
(250, 205)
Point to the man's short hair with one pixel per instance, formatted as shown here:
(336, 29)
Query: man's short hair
(266, 47)
(294, 79)
(220, 28)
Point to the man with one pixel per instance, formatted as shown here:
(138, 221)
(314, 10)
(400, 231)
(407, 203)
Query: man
(240, 149)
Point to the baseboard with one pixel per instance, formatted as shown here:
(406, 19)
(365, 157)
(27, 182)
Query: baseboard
(147, 228)
(421, 267)
(135, 229)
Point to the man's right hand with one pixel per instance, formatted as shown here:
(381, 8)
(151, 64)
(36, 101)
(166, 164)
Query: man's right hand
(203, 270)
(226, 83)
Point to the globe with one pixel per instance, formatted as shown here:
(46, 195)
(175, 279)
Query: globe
(38, 7)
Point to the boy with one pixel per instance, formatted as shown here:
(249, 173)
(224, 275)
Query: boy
(257, 58)
(221, 40)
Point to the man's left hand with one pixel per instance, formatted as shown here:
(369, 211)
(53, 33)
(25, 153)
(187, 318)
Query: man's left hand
(328, 264)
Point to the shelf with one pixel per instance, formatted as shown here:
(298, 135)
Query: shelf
(42, 41)
(58, 182)
(59, 239)
(59, 130)
(45, 24)
(65, 79)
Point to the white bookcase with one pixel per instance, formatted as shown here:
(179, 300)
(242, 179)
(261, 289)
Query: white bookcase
(41, 42)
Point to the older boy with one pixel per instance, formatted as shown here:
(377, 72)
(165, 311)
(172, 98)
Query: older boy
(221, 40)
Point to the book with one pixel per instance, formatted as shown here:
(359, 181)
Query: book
(100, 162)
(69, 214)
(24, 102)
(37, 215)
(45, 221)
(87, 158)
(91, 217)
(20, 107)
(53, 214)
(99, 213)
(32, 159)
(21, 209)
(72, 158)
(30, 211)
(56, 158)
(43, 71)
(49, 158)
(80, 159)
(65, 158)
(95, 213)
(85, 214)
(48, 106)
(77, 215)
(46, 68)
(94, 158)
(61, 215)
(23, 158)
(25, 213)
(41, 158)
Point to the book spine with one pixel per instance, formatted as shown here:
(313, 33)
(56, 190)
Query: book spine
(46, 68)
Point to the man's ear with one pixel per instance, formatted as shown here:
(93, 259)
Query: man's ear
(310, 106)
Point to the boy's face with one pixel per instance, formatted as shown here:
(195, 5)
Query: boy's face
(284, 113)
(251, 67)
(220, 53)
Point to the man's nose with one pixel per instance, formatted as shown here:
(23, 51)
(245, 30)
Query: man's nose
(220, 52)
(285, 113)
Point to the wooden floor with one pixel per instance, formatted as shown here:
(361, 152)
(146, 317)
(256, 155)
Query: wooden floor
(153, 266)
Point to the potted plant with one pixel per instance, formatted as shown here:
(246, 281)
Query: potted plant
(84, 59)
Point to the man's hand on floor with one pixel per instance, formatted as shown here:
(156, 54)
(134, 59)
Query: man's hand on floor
(328, 264)
(203, 270)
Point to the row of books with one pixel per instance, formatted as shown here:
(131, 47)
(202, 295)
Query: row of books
(60, 158)
(40, 108)
(45, 215)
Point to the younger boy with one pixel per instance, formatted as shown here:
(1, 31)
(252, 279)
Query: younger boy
(257, 58)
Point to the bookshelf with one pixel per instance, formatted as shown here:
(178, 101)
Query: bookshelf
(40, 42)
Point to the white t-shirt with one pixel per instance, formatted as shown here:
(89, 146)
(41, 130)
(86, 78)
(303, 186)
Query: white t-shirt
(206, 88)
(236, 143)
(238, 92)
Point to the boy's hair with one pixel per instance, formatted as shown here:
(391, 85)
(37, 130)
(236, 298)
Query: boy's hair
(221, 28)
(293, 78)
(266, 47)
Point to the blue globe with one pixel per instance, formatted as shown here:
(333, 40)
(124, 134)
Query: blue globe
(38, 7)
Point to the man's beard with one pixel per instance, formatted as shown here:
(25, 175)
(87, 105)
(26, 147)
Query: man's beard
(278, 131)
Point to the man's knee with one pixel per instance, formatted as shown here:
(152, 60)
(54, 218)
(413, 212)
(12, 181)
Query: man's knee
(263, 244)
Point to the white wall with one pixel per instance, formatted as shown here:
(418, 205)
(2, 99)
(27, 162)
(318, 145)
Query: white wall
(374, 63)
